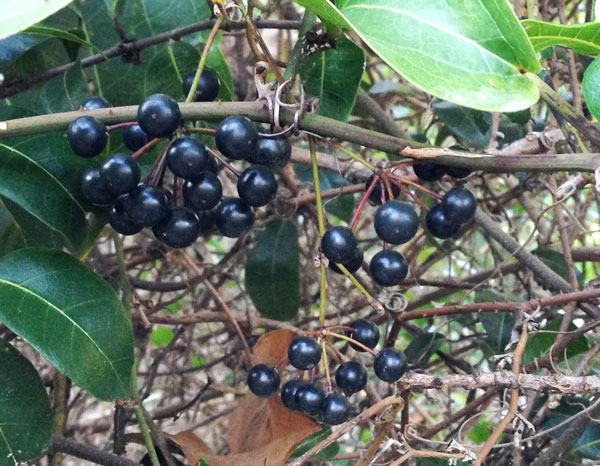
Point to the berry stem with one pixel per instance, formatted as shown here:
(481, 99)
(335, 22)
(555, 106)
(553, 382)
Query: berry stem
(139, 415)
(325, 360)
(145, 148)
(353, 155)
(357, 284)
(203, 57)
(338, 355)
(125, 124)
(227, 165)
(413, 197)
(363, 202)
(321, 220)
(206, 131)
(352, 340)
(399, 179)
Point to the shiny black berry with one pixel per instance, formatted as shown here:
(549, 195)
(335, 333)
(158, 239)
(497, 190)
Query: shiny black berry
(147, 205)
(353, 265)
(213, 165)
(351, 377)
(237, 138)
(438, 224)
(257, 185)
(203, 192)
(120, 221)
(457, 172)
(95, 103)
(428, 171)
(94, 189)
(206, 219)
(87, 136)
(273, 152)
(339, 244)
(187, 158)
(234, 217)
(396, 222)
(208, 85)
(390, 364)
(388, 268)
(375, 196)
(263, 380)
(288, 393)
(134, 138)
(459, 205)
(310, 399)
(159, 115)
(179, 228)
(120, 173)
(336, 409)
(304, 353)
(365, 332)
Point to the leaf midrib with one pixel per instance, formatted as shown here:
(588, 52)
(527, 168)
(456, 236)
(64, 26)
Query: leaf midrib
(75, 324)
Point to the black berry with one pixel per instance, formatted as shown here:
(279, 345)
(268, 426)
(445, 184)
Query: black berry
(375, 196)
(234, 217)
(438, 224)
(339, 244)
(87, 136)
(206, 219)
(459, 205)
(288, 393)
(179, 228)
(147, 205)
(94, 103)
(213, 165)
(336, 409)
(94, 189)
(388, 268)
(159, 115)
(203, 192)
(365, 332)
(134, 138)
(237, 138)
(273, 152)
(120, 173)
(428, 171)
(120, 221)
(457, 172)
(390, 364)
(263, 380)
(351, 377)
(396, 222)
(208, 85)
(257, 185)
(304, 353)
(353, 265)
(310, 399)
(187, 158)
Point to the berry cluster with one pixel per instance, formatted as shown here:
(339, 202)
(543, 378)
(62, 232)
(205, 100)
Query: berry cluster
(397, 222)
(305, 353)
(196, 204)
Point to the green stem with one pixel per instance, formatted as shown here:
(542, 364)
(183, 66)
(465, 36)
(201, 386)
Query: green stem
(321, 220)
(357, 284)
(124, 283)
(326, 364)
(139, 415)
(353, 155)
(203, 57)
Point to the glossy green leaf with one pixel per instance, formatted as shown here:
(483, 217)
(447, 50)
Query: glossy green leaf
(498, 325)
(328, 452)
(19, 14)
(60, 34)
(582, 38)
(555, 260)
(540, 343)
(333, 76)
(25, 412)
(591, 87)
(273, 271)
(423, 347)
(326, 11)
(71, 316)
(472, 126)
(473, 55)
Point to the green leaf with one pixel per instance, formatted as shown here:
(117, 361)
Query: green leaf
(328, 452)
(473, 55)
(423, 347)
(273, 271)
(540, 343)
(25, 412)
(60, 34)
(19, 14)
(555, 260)
(473, 126)
(334, 76)
(582, 38)
(498, 325)
(326, 11)
(162, 336)
(71, 316)
(591, 87)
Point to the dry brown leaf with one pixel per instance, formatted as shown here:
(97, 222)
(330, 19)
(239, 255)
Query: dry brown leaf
(262, 431)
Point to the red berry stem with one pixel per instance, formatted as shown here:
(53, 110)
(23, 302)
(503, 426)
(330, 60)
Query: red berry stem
(110, 128)
(388, 187)
(205, 131)
(399, 179)
(363, 202)
(145, 148)
(227, 165)
(409, 192)
(352, 340)
(157, 172)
